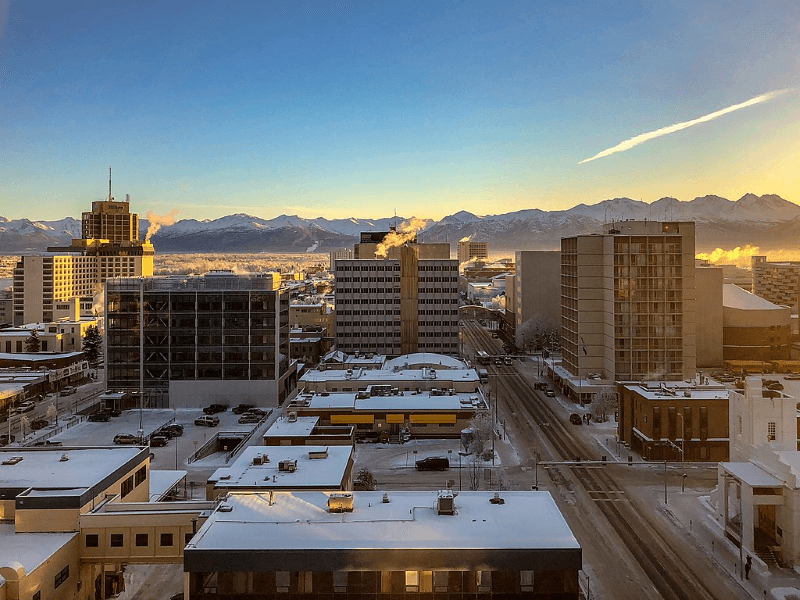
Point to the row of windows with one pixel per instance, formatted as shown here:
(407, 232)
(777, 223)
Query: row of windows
(62, 576)
(140, 540)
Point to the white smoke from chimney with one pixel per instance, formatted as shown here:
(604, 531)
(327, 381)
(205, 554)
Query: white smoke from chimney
(407, 232)
(158, 221)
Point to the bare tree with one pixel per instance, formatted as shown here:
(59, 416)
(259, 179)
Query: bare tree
(603, 404)
(33, 344)
(365, 480)
(482, 432)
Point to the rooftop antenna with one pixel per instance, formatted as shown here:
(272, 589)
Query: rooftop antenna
(110, 198)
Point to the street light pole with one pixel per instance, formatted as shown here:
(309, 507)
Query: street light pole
(683, 442)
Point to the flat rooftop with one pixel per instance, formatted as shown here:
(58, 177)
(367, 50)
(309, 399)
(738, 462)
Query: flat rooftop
(302, 426)
(526, 525)
(43, 467)
(411, 401)
(324, 472)
(679, 392)
(31, 550)
(389, 376)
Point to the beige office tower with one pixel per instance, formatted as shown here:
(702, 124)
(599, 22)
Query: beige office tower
(628, 302)
(468, 250)
(47, 285)
(404, 303)
(778, 282)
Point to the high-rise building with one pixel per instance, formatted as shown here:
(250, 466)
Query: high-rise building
(537, 289)
(46, 283)
(628, 302)
(405, 303)
(778, 282)
(468, 250)
(186, 341)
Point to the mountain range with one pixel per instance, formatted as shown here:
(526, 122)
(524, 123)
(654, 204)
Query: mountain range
(767, 221)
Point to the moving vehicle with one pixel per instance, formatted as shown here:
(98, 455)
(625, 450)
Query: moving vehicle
(482, 358)
(549, 393)
(68, 390)
(507, 361)
(575, 419)
(126, 438)
(213, 409)
(99, 417)
(39, 424)
(483, 375)
(24, 407)
(207, 421)
(495, 335)
(433, 463)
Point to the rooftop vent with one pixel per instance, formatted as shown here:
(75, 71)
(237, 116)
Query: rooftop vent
(64, 458)
(496, 499)
(292, 417)
(385, 498)
(317, 454)
(287, 465)
(445, 503)
(339, 502)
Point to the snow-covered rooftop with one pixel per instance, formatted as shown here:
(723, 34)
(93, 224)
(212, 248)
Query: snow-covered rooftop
(409, 520)
(735, 297)
(325, 471)
(391, 375)
(425, 359)
(409, 401)
(30, 550)
(302, 426)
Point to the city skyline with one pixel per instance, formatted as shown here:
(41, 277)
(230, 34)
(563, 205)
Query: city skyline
(355, 110)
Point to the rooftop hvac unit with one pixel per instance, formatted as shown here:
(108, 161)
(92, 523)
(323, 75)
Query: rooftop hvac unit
(287, 465)
(292, 417)
(339, 502)
(445, 503)
(317, 454)
(260, 459)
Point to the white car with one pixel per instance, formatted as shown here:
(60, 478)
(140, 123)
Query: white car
(24, 407)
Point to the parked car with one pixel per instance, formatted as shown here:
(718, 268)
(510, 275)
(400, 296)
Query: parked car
(433, 463)
(207, 421)
(242, 408)
(507, 361)
(48, 443)
(250, 418)
(4, 439)
(173, 430)
(99, 417)
(39, 424)
(68, 390)
(24, 407)
(213, 409)
(126, 438)
(498, 361)
(549, 393)
(539, 386)
(495, 335)
(257, 411)
(157, 441)
(576, 419)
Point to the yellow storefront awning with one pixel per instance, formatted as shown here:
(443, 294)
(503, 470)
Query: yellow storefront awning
(448, 419)
(351, 419)
(395, 418)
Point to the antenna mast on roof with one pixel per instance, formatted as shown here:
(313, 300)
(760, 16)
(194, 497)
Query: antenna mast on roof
(110, 198)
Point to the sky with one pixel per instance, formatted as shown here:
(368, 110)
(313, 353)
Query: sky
(366, 109)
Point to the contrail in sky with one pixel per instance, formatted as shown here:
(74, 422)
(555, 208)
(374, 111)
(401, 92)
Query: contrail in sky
(642, 138)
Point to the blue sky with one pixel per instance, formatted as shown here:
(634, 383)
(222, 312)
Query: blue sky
(341, 109)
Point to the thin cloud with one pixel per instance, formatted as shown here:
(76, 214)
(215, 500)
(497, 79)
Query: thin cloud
(644, 137)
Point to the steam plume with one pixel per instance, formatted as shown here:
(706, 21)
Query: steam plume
(644, 137)
(158, 221)
(406, 233)
(738, 256)
(465, 239)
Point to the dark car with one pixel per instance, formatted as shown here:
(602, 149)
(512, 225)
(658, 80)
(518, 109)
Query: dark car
(48, 443)
(257, 411)
(242, 408)
(575, 419)
(39, 424)
(157, 441)
(250, 418)
(433, 463)
(213, 409)
(549, 393)
(126, 438)
(173, 429)
(99, 417)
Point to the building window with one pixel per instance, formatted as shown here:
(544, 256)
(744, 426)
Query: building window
(771, 431)
(440, 581)
(142, 539)
(37, 595)
(412, 582)
(340, 582)
(117, 540)
(92, 540)
(62, 576)
(304, 582)
(127, 487)
(282, 582)
(483, 581)
(526, 581)
(166, 539)
(141, 475)
(739, 424)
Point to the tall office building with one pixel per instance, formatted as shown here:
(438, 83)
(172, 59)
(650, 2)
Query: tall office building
(628, 301)
(405, 303)
(468, 250)
(45, 284)
(778, 282)
(187, 341)
(537, 288)
(193, 340)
